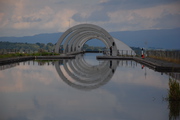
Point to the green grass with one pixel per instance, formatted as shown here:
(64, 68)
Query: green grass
(174, 90)
(26, 54)
(43, 54)
(174, 99)
(174, 110)
(167, 59)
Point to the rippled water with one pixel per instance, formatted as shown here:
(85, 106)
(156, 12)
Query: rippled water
(82, 89)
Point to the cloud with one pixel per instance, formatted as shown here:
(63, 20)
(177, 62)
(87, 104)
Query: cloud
(32, 20)
(60, 2)
(18, 118)
(145, 18)
(1, 16)
(99, 16)
(2, 21)
(95, 16)
(168, 20)
(19, 7)
(78, 17)
(60, 20)
(29, 17)
(133, 4)
(22, 25)
(45, 18)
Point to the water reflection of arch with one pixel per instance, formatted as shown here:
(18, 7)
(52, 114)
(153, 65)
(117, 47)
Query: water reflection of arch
(81, 75)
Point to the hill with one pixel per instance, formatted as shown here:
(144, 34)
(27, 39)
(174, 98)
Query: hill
(165, 38)
(40, 38)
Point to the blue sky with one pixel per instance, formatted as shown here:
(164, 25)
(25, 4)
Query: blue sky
(30, 17)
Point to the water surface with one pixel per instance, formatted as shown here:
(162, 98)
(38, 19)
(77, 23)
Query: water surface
(82, 89)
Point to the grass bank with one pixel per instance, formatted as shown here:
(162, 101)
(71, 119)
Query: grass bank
(166, 59)
(174, 90)
(11, 55)
(174, 99)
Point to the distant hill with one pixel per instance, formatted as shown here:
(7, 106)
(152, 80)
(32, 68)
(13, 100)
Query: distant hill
(165, 39)
(40, 38)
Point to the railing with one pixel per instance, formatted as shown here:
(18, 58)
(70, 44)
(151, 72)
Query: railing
(126, 53)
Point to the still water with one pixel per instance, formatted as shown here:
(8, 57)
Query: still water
(82, 89)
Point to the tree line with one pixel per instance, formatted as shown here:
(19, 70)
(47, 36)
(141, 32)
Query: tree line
(14, 47)
(9, 47)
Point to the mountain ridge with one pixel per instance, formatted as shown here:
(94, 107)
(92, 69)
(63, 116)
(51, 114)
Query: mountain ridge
(163, 38)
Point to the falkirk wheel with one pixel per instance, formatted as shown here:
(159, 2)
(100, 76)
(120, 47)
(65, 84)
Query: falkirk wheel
(73, 39)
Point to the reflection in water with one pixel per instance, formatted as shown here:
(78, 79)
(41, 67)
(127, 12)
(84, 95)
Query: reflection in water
(81, 75)
(174, 110)
(3, 67)
(35, 90)
(174, 75)
(174, 98)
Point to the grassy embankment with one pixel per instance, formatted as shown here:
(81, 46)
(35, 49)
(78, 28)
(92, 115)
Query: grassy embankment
(174, 99)
(166, 59)
(11, 55)
(174, 90)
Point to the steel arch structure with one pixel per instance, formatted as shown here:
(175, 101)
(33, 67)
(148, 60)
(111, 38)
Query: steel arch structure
(75, 37)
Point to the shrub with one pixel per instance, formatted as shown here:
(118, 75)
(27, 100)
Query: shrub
(174, 90)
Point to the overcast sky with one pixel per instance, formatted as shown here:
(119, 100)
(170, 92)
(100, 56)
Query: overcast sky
(30, 17)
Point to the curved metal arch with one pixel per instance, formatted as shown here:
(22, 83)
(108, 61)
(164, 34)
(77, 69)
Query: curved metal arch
(86, 27)
(99, 38)
(74, 43)
(80, 43)
(73, 40)
(95, 35)
(74, 34)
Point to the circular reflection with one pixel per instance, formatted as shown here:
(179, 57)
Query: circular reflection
(81, 75)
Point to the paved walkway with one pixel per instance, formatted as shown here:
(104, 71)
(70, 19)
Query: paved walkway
(163, 62)
(158, 65)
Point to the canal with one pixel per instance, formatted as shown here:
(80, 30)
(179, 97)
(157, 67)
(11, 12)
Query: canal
(83, 89)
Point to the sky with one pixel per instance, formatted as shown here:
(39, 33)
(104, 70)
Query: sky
(30, 17)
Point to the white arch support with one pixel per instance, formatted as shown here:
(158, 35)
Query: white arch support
(76, 37)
